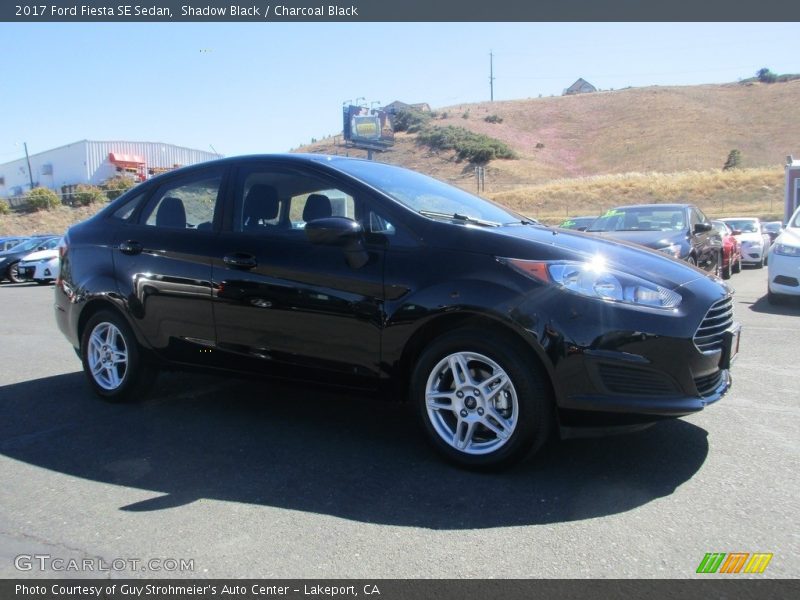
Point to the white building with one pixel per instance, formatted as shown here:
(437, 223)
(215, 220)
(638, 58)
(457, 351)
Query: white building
(87, 161)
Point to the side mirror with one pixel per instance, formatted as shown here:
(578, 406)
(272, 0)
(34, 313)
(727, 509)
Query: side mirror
(702, 227)
(340, 231)
(584, 228)
(333, 231)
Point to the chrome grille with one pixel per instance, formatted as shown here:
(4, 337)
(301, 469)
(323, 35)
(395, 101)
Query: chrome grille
(710, 335)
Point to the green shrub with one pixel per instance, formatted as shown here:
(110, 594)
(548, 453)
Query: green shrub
(116, 186)
(42, 199)
(89, 194)
(411, 120)
(734, 160)
(493, 119)
(465, 115)
(469, 146)
(4, 207)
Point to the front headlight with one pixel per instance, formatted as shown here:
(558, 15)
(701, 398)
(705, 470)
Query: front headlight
(786, 250)
(674, 250)
(594, 280)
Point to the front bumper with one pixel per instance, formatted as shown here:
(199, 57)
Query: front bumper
(784, 274)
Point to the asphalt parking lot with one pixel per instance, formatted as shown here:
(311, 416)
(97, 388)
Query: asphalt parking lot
(250, 479)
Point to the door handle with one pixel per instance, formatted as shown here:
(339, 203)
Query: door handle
(238, 260)
(130, 247)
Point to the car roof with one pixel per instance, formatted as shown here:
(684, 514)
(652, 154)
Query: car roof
(656, 205)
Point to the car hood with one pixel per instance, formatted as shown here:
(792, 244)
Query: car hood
(541, 243)
(750, 236)
(651, 239)
(41, 255)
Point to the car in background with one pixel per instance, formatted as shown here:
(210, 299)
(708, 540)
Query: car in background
(9, 260)
(578, 223)
(10, 242)
(783, 278)
(40, 266)
(773, 229)
(681, 231)
(755, 241)
(731, 250)
(498, 330)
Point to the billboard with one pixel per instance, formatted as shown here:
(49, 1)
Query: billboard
(367, 128)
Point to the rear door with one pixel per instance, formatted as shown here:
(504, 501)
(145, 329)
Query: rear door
(163, 266)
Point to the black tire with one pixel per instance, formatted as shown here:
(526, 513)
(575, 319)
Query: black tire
(43, 281)
(524, 400)
(114, 381)
(775, 299)
(727, 272)
(691, 260)
(13, 273)
(737, 268)
(760, 263)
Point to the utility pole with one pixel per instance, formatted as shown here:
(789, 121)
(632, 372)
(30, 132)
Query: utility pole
(28, 158)
(491, 77)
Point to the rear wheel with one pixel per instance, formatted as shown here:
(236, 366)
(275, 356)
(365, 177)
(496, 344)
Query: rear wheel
(112, 359)
(737, 268)
(727, 270)
(691, 260)
(483, 404)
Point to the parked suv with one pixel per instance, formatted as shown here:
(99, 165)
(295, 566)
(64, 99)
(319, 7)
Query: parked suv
(357, 273)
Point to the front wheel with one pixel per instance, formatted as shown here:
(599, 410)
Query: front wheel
(13, 273)
(737, 268)
(112, 359)
(483, 405)
(727, 270)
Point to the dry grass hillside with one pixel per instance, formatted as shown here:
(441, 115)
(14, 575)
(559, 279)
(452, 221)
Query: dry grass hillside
(583, 154)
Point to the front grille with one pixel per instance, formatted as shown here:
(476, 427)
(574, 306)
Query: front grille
(708, 383)
(635, 382)
(710, 336)
(786, 280)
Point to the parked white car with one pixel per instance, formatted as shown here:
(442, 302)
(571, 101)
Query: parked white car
(755, 241)
(41, 266)
(784, 262)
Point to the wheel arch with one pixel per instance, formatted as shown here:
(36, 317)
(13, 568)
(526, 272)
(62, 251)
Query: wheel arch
(445, 323)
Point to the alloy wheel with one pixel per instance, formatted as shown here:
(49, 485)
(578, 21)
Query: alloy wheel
(471, 403)
(107, 356)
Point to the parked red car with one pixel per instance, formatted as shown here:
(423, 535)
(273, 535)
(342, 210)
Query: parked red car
(731, 250)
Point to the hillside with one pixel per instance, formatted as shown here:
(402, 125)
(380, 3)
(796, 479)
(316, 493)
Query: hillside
(652, 129)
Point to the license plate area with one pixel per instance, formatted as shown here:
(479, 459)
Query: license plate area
(730, 348)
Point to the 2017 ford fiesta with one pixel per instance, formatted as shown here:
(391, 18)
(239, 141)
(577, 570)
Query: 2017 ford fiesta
(357, 273)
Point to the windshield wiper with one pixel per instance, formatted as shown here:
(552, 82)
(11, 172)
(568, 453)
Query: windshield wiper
(459, 217)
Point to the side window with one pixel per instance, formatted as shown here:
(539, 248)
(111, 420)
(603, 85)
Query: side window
(124, 212)
(701, 215)
(695, 217)
(185, 204)
(378, 224)
(319, 204)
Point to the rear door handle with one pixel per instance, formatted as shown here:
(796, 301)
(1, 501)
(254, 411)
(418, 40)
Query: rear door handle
(130, 247)
(238, 260)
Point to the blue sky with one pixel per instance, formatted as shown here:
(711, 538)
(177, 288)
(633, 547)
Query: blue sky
(269, 87)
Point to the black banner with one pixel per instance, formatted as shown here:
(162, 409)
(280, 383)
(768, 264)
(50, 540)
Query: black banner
(393, 589)
(400, 11)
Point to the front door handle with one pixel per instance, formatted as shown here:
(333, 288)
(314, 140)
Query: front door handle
(130, 247)
(239, 260)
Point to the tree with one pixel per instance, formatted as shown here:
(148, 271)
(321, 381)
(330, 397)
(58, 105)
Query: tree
(734, 160)
(766, 76)
(41, 198)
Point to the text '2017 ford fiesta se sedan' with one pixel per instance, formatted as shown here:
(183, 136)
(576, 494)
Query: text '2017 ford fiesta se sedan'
(363, 274)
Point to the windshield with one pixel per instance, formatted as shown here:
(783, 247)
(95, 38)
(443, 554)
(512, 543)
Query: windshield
(641, 218)
(424, 194)
(796, 221)
(743, 225)
(27, 245)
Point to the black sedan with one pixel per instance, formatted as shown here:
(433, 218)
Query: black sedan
(9, 259)
(681, 231)
(357, 273)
